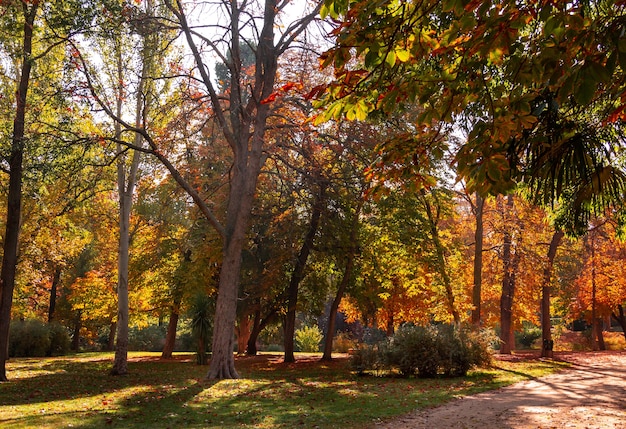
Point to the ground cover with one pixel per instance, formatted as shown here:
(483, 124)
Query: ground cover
(76, 391)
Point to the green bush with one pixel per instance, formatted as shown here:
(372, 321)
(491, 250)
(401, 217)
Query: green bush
(308, 339)
(369, 358)
(149, 339)
(528, 335)
(33, 338)
(60, 341)
(427, 352)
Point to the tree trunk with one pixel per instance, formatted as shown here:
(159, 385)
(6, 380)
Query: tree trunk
(298, 273)
(56, 279)
(508, 287)
(332, 317)
(442, 265)
(111, 339)
(345, 281)
(243, 333)
(599, 335)
(76, 334)
(620, 318)
(257, 327)
(546, 325)
(478, 262)
(14, 198)
(170, 336)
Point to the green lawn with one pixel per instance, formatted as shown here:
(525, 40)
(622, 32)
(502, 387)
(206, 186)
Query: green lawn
(77, 392)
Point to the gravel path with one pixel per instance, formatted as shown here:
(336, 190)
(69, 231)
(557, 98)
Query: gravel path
(589, 395)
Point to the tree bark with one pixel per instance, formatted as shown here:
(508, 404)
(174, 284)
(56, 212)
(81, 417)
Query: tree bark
(441, 260)
(345, 281)
(546, 325)
(332, 317)
(508, 287)
(76, 334)
(257, 327)
(111, 339)
(298, 273)
(243, 333)
(56, 279)
(478, 262)
(620, 318)
(14, 198)
(170, 336)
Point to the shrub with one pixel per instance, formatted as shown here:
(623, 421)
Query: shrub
(308, 339)
(528, 335)
(149, 339)
(369, 358)
(342, 343)
(60, 341)
(413, 350)
(427, 352)
(201, 311)
(33, 338)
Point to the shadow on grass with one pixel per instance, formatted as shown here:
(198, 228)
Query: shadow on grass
(272, 394)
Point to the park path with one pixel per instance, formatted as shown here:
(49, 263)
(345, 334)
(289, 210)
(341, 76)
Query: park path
(589, 395)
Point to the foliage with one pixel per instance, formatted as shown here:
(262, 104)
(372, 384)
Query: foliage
(30, 338)
(308, 338)
(343, 343)
(528, 335)
(172, 393)
(149, 339)
(201, 314)
(426, 351)
(538, 84)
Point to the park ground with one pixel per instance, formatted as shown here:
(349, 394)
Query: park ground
(589, 394)
(576, 390)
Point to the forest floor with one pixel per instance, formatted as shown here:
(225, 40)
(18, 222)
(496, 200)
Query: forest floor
(591, 394)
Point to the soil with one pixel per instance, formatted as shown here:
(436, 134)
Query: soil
(591, 394)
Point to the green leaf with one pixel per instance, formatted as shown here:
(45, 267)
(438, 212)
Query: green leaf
(403, 55)
(391, 59)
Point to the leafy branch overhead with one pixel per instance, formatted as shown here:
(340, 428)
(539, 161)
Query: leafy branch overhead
(541, 84)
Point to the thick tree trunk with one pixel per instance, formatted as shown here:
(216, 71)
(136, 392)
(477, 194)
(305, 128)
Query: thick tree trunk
(170, 336)
(244, 329)
(298, 273)
(478, 262)
(546, 325)
(14, 198)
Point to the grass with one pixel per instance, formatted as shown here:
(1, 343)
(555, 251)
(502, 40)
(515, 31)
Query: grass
(77, 392)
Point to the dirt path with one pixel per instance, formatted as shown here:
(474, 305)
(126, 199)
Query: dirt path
(590, 395)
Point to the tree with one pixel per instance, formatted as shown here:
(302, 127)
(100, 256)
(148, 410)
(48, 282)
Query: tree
(14, 199)
(509, 65)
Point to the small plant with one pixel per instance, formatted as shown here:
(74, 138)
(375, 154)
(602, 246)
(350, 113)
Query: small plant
(308, 339)
(201, 324)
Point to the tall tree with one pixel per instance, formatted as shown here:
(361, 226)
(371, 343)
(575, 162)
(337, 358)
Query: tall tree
(29, 12)
(242, 116)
